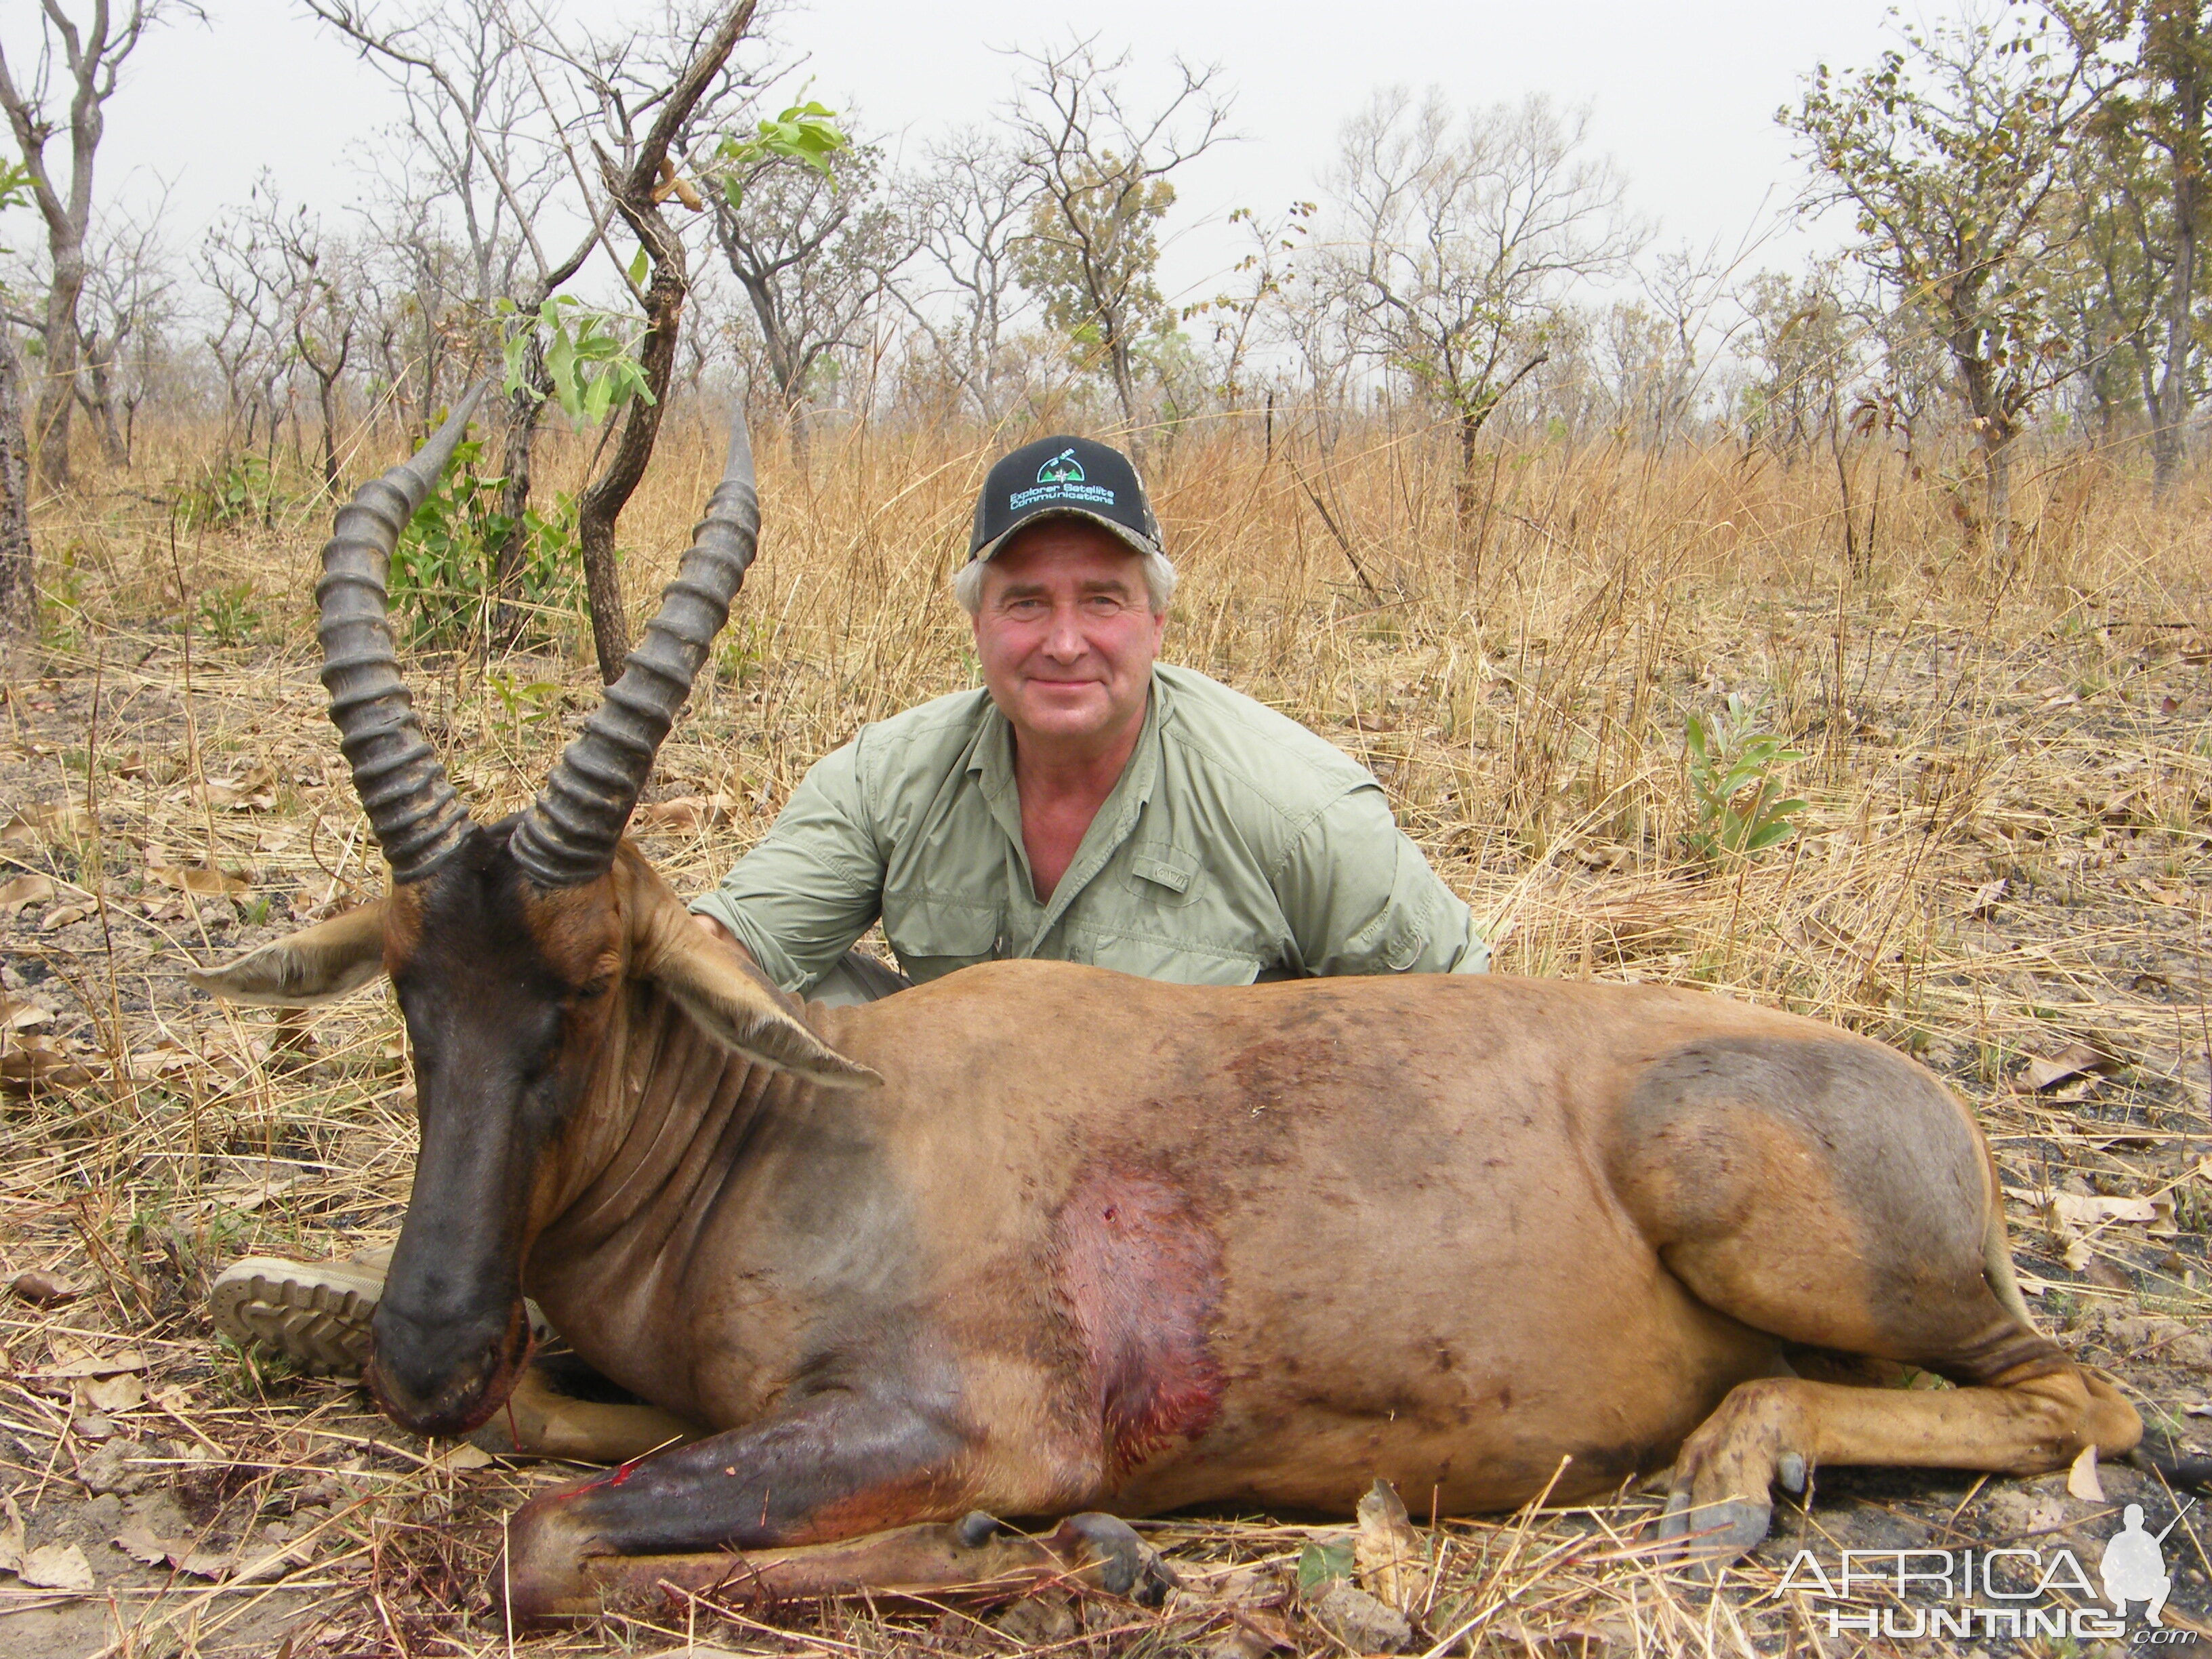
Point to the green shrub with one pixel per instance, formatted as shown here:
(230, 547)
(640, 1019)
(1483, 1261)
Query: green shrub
(1734, 770)
(441, 580)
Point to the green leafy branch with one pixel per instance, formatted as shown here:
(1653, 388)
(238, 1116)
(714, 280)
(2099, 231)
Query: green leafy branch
(1733, 771)
(590, 356)
(807, 134)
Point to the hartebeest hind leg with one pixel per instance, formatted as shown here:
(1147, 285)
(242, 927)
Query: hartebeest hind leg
(1781, 1428)
(1830, 1193)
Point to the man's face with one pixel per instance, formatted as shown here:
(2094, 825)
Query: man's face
(1066, 634)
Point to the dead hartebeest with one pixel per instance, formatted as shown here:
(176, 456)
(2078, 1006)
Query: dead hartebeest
(1036, 1239)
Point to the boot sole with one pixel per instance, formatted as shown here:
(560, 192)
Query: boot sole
(315, 1314)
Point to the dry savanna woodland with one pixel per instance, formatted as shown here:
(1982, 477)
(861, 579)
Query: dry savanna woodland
(1837, 639)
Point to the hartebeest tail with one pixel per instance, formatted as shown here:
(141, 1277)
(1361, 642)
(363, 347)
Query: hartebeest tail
(1102, 1243)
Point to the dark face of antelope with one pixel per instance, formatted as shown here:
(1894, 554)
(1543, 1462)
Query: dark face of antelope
(509, 945)
(507, 988)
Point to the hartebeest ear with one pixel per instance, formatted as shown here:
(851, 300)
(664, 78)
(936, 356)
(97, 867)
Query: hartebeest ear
(738, 1009)
(317, 964)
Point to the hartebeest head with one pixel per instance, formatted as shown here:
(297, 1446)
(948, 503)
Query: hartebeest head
(507, 943)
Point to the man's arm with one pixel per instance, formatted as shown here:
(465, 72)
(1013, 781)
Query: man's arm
(1361, 899)
(811, 886)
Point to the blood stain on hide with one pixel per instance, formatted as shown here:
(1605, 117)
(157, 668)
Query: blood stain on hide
(1142, 1275)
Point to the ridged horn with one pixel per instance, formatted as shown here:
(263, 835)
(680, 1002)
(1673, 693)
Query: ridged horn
(568, 837)
(417, 817)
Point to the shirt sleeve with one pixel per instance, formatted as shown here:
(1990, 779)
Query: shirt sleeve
(813, 884)
(1359, 898)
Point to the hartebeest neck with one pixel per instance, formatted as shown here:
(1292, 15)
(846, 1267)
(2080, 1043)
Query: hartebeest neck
(662, 1118)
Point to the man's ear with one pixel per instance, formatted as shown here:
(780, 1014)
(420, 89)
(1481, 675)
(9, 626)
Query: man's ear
(317, 964)
(734, 1004)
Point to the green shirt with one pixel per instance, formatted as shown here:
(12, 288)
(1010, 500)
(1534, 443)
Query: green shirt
(1236, 845)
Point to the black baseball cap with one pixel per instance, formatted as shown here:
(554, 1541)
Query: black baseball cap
(1063, 477)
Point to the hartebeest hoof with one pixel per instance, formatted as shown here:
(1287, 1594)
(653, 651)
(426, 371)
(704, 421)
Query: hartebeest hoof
(1711, 1535)
(1105, 1551)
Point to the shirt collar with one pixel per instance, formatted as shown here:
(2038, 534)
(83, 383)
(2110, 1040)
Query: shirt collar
(991, 757)
(992, 761)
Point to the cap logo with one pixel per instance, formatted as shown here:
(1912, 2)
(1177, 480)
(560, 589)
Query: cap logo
(1061, 479)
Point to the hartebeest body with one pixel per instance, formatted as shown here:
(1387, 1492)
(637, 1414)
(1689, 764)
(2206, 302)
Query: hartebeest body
(1037, 1238)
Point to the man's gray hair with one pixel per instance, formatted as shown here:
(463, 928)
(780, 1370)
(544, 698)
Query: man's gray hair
(1159, 583)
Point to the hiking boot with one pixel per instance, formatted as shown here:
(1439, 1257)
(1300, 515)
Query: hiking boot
(314, 1313)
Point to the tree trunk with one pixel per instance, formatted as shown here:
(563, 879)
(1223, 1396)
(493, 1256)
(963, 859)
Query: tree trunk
(99, 404)
(608, 493)
(19, 582)
(604, 498)
(57, 395)
(523, 410)
(2171, 413)
(327, 395)
(1125, 383)
(1997, 471)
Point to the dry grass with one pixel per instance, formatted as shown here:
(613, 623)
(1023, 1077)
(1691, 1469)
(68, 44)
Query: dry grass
(1519, 682)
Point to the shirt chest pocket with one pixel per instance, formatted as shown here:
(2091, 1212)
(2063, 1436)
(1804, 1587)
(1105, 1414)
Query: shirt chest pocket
(932, 940)
(1161, 874)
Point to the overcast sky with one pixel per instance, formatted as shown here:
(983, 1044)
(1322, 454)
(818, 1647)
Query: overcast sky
(1682, 93)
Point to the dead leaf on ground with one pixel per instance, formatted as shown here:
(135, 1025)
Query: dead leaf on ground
(111, 1394)
(200, 881)
(2074, 1059)
(253, 1183)
(2110, 1274)
(43, 1288)
(73, 1359)
(684, 815)
(29, 1063)
(29, 888)
(2098, 1209)
(256, 792)
(12, 1546)
(23, 1016)
(54, 824)
(65, 915)
(1984, 904)
(1387, 1558)
(143, 1545)
(57, 1567)
(2082, 1479)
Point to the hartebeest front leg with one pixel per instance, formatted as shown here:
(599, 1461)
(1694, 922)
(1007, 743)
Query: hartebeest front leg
(807, 1496)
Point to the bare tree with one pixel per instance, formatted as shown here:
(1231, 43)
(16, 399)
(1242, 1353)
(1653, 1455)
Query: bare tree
(1099, 173)
(89, 57)
(1245, 318)
(321, 314)
(128, 297)
(247, 340)
(814, 252)
(968, 208)
(1457, 240)
(492, 147)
